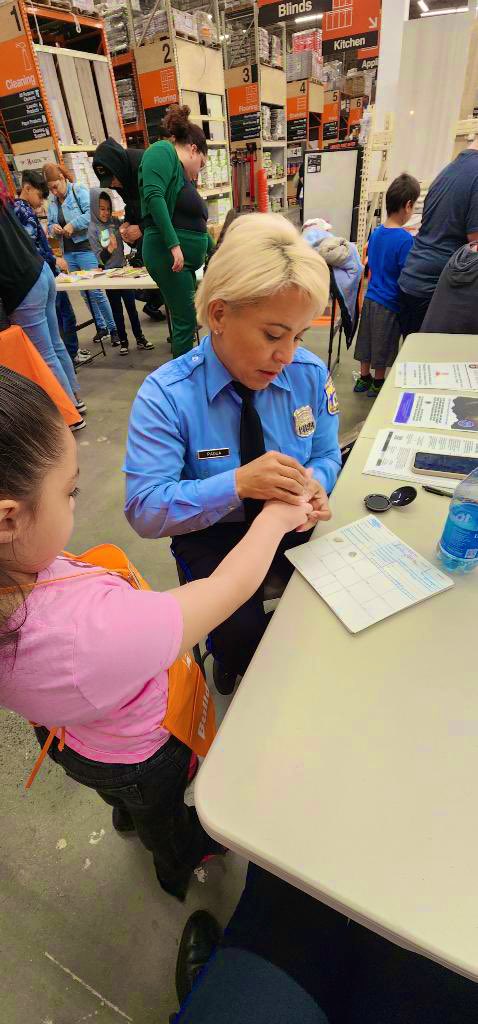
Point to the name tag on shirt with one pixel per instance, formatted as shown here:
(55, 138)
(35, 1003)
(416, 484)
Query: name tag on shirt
(213, 453)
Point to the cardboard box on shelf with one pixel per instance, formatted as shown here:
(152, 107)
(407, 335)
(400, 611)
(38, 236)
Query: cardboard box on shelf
(357, 83)
(306, 64)
(310, 39)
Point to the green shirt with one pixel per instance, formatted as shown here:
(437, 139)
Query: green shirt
(160, 180)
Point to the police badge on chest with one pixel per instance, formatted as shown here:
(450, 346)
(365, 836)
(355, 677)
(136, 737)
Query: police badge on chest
(304, 421)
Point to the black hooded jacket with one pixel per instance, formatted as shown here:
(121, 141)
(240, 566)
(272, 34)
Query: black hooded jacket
(122, 164)
(454, 306)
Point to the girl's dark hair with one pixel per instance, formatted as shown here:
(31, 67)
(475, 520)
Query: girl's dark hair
(404, 189)
(30, 444)
(185, 132)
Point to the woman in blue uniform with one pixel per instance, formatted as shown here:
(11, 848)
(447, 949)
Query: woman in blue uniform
(248, 415)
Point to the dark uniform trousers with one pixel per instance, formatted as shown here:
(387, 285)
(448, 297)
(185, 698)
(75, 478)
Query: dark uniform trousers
(198, 554)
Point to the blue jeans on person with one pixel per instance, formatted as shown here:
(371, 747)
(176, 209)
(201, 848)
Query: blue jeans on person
(36, 315)
(95, 298)
(67, 323)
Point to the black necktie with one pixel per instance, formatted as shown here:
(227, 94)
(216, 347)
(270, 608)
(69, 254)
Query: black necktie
(251, 440)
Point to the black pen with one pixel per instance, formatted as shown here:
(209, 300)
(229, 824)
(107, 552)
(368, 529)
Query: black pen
(438, 490)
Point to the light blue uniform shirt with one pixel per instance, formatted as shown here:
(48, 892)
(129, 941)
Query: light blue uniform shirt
(183, 440)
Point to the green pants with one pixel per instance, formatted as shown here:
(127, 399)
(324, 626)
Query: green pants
(178, 289)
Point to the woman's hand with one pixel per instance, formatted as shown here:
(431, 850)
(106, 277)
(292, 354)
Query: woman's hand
(319, 502)
(178, 259)
(131, 233)
(68, 230)
(273, 476)
(56, 229)
(288, 517)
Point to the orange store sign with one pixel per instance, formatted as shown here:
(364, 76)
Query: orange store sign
(158, 88)
(17, 71)
(243, 99)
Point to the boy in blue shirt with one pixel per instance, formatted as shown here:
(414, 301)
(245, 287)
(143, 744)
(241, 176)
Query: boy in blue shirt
(380, 331)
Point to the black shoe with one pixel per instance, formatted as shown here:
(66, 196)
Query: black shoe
(124, 349)
(154, 312)
(200, 937)
(101, 335)
(143, 343)
(224, 681)
(115, 339)
(122, 821)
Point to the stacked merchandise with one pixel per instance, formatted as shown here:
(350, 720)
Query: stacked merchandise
(82, 167)
(127, 100)
(305, 64)
(85, 6)
(240, 47)
(215, 173)
(278, 123)
(117, 28)
(266, 121)
(357, 83)
(207, 31)
(273, 169)
(264, 47)
(276, 52)
(218, 209)
(332, 74)
(311, 39)
(275, 202)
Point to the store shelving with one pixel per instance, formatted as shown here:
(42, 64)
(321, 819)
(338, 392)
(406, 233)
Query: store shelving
(256, 90)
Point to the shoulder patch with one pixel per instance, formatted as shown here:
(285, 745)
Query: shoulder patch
(331, 395)
(181, 368)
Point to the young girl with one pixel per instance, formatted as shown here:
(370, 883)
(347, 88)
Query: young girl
(84, 650)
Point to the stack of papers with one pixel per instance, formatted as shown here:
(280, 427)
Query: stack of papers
(448, 376)
(365, 573)
(393, 453)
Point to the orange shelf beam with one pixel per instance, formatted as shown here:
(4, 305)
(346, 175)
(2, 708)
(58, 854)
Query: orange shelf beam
(56, 14)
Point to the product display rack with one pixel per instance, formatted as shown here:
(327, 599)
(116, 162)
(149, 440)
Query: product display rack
(124, 66)
(175, 67)
(58, 98)
(305, 105)
(257, 98)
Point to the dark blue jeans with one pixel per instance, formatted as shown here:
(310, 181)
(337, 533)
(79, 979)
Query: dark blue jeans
(116, 297)
(319, 968)
(152, 793)
(67, 323)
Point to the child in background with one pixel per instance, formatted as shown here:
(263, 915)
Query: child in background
(380, 331)
(83, 649)
(107, 244)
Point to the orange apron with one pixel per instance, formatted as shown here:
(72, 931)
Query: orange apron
(190, 714)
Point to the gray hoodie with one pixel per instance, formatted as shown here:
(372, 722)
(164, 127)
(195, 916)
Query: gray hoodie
(99, 233)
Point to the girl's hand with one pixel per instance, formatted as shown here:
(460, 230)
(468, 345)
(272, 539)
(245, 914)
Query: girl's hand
(288, 517)
(56, 229)
(178, 259)
(318, 498)
(62, 265)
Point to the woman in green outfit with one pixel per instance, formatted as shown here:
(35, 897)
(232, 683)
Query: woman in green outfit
(176, 240)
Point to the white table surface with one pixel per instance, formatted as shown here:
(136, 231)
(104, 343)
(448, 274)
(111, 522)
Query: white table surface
(347, 765)
(103, 281)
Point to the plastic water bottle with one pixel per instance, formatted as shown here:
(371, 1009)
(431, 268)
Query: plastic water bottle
(458, 545)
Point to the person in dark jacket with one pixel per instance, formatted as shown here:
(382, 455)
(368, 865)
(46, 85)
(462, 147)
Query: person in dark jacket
(118, 168)
(454, 306)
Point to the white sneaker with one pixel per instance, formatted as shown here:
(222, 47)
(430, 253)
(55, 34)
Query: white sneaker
(78, 426)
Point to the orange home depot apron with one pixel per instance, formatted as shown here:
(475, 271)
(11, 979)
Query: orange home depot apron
(18, 353)
(190, 714)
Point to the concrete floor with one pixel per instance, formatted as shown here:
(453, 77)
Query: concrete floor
(87, 934)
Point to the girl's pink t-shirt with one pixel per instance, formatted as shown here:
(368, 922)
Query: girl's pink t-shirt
(92, 656)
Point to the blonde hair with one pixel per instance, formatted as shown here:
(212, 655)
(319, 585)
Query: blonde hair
(261, 254)
(53, 172)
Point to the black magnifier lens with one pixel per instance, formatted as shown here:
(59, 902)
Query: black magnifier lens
(377, 502)
(403, 496)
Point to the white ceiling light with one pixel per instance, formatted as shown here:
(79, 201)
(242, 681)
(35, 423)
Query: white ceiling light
(445, 10)
(423, 6)
(308, 17)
